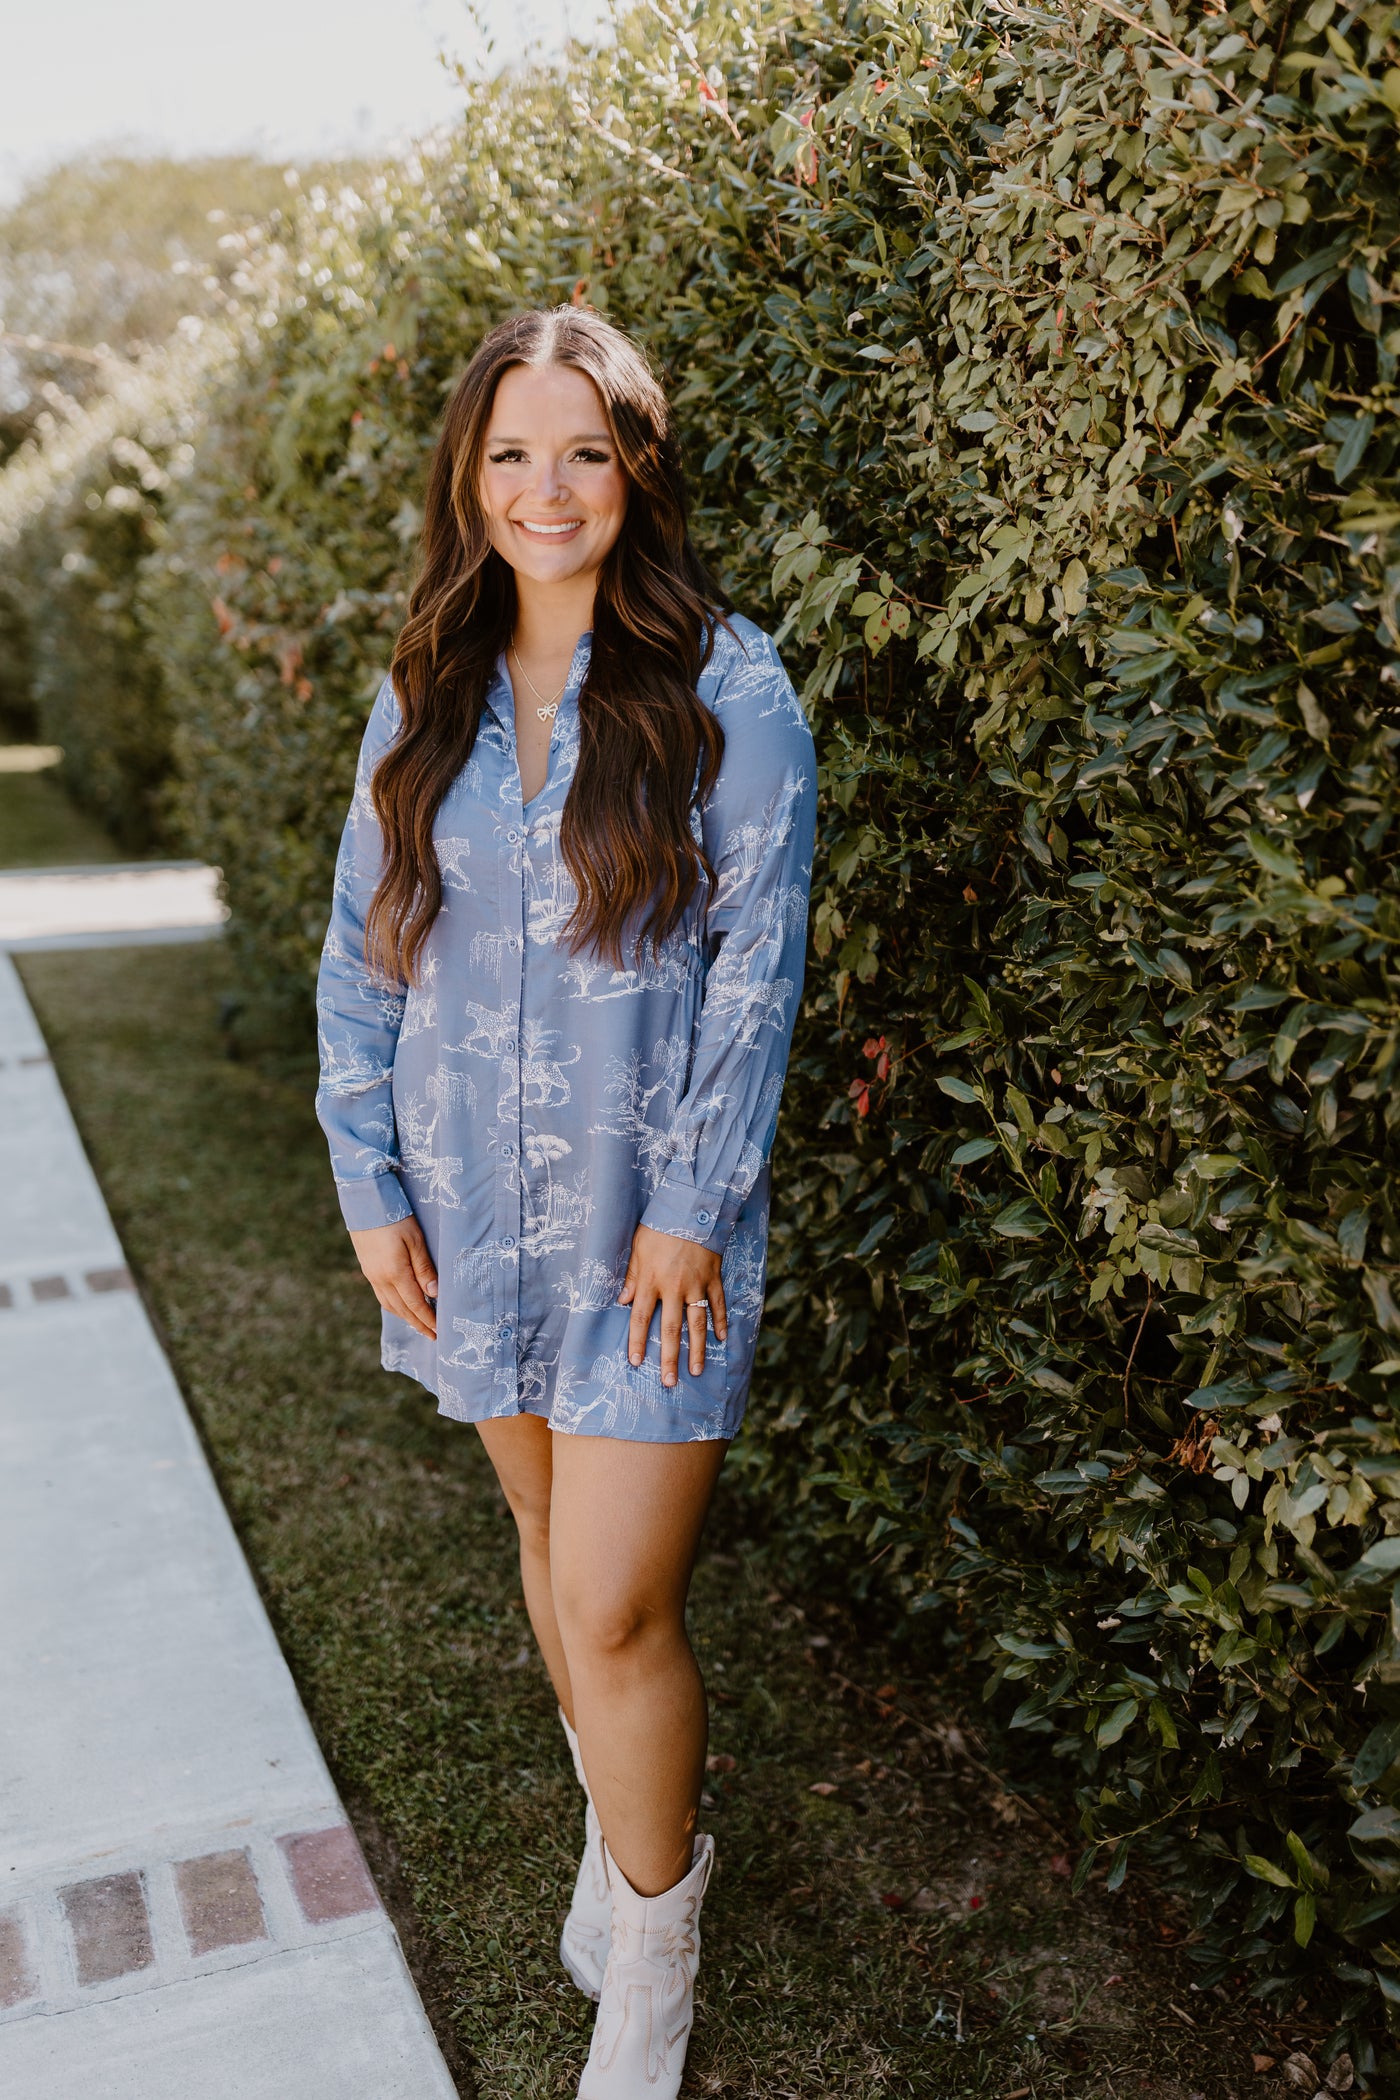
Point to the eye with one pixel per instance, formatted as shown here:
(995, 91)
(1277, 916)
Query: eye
(503, 458)
(591, 457)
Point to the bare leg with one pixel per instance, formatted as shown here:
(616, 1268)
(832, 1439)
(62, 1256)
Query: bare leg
(625, 1523)
(520, 1447)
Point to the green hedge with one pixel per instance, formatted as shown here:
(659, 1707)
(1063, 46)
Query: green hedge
(1037, 372)
(18, 722)
(135, 254)
(75, 666)
(94, 687)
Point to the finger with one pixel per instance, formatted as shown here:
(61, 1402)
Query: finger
(629, 1282)
(643, 1305)
(392, 1302)
(423, 1270)
(672, 1320)
(719, 1310)
(405, 1284)
(695, 1321)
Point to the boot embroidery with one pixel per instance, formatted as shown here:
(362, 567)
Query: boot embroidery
(647, 2006)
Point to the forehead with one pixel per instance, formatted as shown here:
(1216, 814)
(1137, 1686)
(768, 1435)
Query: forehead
(557, 400)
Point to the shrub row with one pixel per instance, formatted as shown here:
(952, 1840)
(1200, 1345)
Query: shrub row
(1037, 373)
(130, 254)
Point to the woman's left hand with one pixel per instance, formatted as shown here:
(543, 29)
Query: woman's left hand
(684, 1281)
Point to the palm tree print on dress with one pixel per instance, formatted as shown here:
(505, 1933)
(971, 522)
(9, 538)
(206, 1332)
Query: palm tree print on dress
(550, 890)
(532, 1107)
(553, 1211)
(592, 1287)
(646, 1095)
(670, 971)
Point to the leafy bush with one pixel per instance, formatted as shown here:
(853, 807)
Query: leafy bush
(101, 258)
(124, 285)
(1037, 370)
(1112, 902)
(94, 687)
(17, 718)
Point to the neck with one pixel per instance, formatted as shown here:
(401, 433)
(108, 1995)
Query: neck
(549, 618)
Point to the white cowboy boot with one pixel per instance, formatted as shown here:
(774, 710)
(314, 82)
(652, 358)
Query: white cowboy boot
(645, 2013)
(583, 1944)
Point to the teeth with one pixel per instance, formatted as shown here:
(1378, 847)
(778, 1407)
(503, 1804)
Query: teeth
(569, 525)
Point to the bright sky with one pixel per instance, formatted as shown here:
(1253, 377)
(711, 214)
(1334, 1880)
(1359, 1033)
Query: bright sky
(284, 77)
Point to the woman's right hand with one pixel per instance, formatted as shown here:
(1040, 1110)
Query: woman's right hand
(396, 1261)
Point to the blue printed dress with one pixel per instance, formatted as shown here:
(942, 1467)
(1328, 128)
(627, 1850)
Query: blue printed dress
(530, 1107)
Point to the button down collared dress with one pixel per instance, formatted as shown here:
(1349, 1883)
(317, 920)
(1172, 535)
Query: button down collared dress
(530, 1107)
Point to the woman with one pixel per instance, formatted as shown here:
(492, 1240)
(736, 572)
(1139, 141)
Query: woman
(555, 1002)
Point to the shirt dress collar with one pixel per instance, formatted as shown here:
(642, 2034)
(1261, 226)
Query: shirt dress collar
(500, 694)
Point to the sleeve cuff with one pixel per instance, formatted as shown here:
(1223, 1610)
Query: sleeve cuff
(373, 1199)
(703, 1215)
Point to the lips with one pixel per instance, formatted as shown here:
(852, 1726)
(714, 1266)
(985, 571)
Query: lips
(558, 531)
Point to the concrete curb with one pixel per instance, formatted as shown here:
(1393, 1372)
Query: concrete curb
(184, 1910)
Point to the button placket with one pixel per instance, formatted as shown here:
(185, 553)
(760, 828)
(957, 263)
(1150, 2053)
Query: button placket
(510, 1187)
(515, 833)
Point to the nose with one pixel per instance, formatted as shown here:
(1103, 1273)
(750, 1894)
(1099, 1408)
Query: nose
(550, 485)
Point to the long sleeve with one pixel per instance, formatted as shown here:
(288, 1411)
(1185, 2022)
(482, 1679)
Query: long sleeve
(759, 826)
(359, 1016)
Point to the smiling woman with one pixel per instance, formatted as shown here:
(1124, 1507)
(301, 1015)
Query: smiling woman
(556, 1001)
(648, 746)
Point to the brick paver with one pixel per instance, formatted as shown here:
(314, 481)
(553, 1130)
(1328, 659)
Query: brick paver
(110, 1928)
(109, 1280)
(17, 1979)
(329, 1874)
(219, 1901)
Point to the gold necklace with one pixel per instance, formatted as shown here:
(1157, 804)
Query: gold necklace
(550, 708)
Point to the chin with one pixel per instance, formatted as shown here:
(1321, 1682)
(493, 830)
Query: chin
(553, 568)
(550, 571)
(535, 559)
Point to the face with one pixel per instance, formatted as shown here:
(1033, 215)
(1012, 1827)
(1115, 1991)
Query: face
(552, 485)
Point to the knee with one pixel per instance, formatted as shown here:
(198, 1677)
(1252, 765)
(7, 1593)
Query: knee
(607, 1631)
(532, 1523)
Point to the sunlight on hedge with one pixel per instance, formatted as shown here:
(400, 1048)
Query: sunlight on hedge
(1038, 379)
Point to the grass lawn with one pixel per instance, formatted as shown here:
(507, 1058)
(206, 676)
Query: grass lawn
(906, 1932)
(39, 826)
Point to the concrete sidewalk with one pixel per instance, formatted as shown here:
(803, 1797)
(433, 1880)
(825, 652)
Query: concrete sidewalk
(184, 1911)
(125, 903)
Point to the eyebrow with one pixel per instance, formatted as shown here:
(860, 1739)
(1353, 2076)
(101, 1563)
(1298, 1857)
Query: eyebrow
(590, 437)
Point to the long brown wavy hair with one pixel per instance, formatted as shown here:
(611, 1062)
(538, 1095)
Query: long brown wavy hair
(649, 747)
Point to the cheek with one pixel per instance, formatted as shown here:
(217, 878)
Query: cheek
(614, 500)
